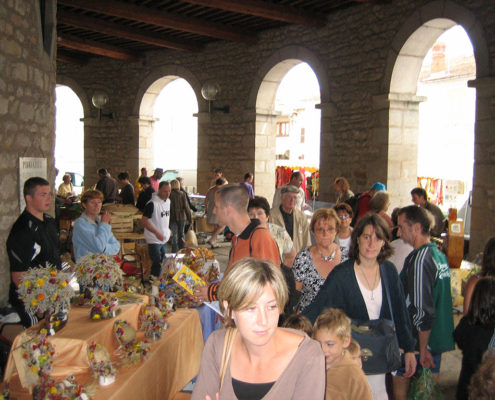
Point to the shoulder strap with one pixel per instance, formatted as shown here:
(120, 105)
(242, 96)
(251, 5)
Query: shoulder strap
(227, 349)
(387, 290)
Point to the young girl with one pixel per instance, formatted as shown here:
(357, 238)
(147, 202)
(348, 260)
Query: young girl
(475, 331)
(345, 380)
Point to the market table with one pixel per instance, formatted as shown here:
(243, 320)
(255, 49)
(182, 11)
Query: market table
(173, 360)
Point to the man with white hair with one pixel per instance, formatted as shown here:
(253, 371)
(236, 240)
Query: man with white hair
(289, 216)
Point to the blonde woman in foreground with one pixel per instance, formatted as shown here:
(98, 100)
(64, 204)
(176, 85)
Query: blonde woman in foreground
(265, 362)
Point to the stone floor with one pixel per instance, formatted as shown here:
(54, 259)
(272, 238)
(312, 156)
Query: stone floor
(451, 361)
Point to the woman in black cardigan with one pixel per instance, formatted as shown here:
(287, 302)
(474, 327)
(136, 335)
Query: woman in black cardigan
(357, 286)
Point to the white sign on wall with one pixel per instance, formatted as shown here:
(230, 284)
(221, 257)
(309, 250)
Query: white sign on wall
(30, 167)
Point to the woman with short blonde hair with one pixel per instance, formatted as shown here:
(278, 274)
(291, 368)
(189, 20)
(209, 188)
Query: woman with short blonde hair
(264, 360)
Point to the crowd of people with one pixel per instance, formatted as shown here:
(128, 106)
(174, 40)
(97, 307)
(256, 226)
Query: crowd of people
(337, 271)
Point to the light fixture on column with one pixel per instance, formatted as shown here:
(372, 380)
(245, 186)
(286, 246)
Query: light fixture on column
(99, 100)
(209, 92)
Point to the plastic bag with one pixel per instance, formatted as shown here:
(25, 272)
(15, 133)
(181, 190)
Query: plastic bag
(423, 387)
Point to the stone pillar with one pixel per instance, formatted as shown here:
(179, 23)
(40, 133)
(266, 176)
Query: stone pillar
(327, 153)
(264, 154)
(403, 128)
(483, 206)
(142, 128)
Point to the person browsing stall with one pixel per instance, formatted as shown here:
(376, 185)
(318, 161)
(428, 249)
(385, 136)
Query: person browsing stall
(92, 233)
(289, 216)
(250, 240)
(359, 287)
(264, 361)
(314, 263)
(155, 220)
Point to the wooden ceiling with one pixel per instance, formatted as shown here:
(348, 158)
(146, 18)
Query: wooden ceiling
(124, 29)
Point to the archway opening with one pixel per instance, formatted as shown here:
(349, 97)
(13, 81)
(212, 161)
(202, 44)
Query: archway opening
(169, 130)
(288, 127)
(446, 122)
(69, 137)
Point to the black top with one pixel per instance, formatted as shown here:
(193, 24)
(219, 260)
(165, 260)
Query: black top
(473, 340)
(109, 187)
(127, 194)
(33, 243)
(250, 391)
(288, 222)
(341, 290)
(144, 197)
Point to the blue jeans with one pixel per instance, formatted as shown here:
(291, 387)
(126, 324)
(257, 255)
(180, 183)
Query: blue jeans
(177, 228)
(157, 253)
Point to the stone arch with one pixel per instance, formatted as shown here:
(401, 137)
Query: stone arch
(142, 112)
(262, 100)
(78, 90)
(400, 105)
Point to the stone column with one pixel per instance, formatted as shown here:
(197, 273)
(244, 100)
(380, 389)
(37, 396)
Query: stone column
(401, 151)
(142, 128)
(483, 206)
(327, 153)
(264, 153)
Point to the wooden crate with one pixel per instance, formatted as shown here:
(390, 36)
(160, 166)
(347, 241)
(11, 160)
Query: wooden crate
(122, 224)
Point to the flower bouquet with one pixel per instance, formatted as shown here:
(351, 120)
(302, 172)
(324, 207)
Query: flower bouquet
(99, 271)
(104, 306)
(38, 355)
(130, 349)
(100, 363)
(152, 322)
(68, 389)
(47, 290)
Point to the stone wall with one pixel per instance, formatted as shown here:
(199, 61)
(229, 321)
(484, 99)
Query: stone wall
(353, 57)
(27, 83)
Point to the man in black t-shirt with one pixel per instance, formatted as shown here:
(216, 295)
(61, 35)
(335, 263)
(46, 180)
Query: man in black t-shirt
(32, 242)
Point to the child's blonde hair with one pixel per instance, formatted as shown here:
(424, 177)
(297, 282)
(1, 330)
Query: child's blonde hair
(299, 322)
(336, 321)
(354, 348)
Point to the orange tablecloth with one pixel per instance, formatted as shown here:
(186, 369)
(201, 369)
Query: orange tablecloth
(172, 363)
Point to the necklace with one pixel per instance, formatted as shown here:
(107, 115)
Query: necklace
(367, 282)
(327, 258)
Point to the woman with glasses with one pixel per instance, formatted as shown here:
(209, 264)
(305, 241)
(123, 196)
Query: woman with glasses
(357, 286)
(313, 264)
(344, 212)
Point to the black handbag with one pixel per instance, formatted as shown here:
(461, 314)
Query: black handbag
(378, 340)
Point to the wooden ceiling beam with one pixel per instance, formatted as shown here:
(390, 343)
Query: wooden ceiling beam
(263, 9)
(90, 46)
(113, 29)
(70, 58)
(161, 18)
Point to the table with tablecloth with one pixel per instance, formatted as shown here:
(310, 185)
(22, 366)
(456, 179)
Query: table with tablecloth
(172, 362)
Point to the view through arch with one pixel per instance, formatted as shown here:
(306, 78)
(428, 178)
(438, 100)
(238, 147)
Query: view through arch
(288, 124)
(169, 140)
(446, 122)
(69, 136)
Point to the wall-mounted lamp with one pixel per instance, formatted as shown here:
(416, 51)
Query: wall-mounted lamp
(209, 92)
(99, 100)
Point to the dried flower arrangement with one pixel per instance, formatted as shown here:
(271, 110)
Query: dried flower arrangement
(152, 322)
(38, 355)
(104, 306)
(100, 363)
(45, 290)
(100, 271)
(130, 350)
